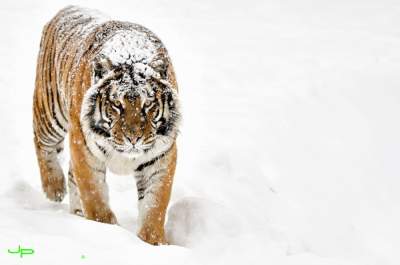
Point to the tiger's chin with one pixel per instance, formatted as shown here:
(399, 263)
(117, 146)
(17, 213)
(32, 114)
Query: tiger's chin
(119, 159)
(109, 149)
(130, 152)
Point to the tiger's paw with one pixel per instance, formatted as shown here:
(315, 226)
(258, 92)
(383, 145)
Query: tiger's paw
(152, 236)
(107, 217)
(102, 215)
(55, 189)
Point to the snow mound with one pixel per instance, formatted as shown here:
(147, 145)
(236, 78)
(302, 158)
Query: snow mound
(22, 195)
(192, 221)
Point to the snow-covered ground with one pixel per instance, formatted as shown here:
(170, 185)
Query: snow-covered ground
(289, 151)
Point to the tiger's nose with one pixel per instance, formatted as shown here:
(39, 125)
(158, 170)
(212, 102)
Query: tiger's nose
(133, 139)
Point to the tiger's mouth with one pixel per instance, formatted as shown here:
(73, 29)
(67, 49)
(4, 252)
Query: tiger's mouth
(132, 148)
(126, 148)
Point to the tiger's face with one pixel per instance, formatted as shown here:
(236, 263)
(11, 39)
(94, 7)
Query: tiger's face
(129, 110)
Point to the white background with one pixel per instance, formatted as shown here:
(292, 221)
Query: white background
(289, 150)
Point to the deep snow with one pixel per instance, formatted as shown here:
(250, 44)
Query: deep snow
(289, 145)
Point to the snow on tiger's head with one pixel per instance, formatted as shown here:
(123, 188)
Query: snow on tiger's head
(130, 107)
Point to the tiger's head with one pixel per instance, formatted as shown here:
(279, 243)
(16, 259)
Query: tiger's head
(130, 108)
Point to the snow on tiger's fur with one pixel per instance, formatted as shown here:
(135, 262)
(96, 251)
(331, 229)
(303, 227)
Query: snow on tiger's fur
(111, 86)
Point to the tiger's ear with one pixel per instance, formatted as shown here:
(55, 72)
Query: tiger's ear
(100, 67)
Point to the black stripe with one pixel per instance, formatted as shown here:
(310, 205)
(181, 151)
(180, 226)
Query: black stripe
(71, 177)
(92, 105)
(145, 193)
(58, 123)
(99, 105)
(98, 130)
(87, 148)
(46, 126)
(103, 106)
(59, 149)
(149, 163)
(154, 173)
(142, 183)
(52, 86)
(40, 126)
(102, 149)
(152, 161)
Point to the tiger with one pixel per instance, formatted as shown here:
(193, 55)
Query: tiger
(110, 87)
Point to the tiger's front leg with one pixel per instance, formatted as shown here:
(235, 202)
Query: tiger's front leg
(154, 182)
(88, 173)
